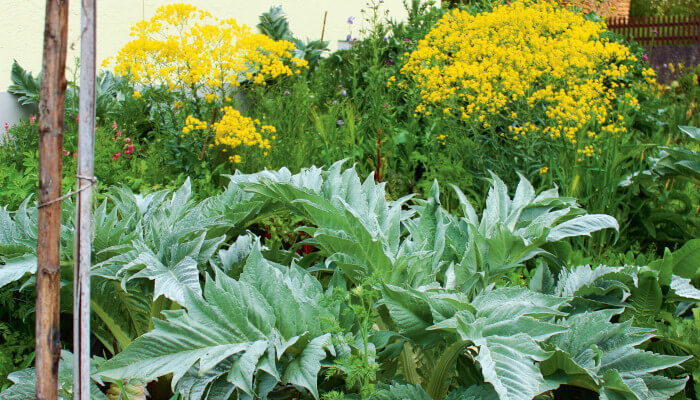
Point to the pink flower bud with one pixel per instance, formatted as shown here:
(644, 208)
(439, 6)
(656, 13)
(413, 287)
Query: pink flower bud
(119, 133)
(117, 154)
(127, 140)
(77, 118)
(115, 126)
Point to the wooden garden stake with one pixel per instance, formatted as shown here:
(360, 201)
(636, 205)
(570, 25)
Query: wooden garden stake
(83, 227)
(53, 87)
(323, 30)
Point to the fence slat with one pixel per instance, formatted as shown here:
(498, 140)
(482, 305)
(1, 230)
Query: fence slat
(660, 30)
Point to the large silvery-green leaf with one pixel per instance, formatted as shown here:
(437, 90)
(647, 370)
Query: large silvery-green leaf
(595, 288)
(507, 327)
(582, 225)
(352, 220)
(512, 231)
(18, 240)
(268, 321)
(25, 86)
(18, 233)
(426, 233)
(171, 240)
(504, 329)
(24, 382)
(15, 268)
(599, 355)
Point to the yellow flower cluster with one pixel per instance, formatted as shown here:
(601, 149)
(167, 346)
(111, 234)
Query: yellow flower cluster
(192, 123)
(234, 130)
(186, 48)
(550, 63)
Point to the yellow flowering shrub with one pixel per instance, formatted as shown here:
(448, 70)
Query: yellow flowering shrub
(188, 49)
(188, 65)
(525, 70)
(234, 130)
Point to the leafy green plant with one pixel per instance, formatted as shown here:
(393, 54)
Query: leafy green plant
(396, 296)
(269, 328)
(25, 381)
(667, 196)
(27, 88)
(24, 85)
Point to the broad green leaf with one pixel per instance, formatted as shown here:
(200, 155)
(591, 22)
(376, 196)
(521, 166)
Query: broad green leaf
(508, 363)
(600, 355)
(401, 392)
(246, 325)
(582, 225)
(303, 369)
(683, 288)
(24, 382)
(17, 267)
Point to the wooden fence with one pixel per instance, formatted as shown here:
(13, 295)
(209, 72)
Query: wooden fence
(662, 30)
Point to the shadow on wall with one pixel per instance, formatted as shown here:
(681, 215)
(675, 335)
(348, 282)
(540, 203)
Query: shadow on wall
(11, 111)
(661, 56)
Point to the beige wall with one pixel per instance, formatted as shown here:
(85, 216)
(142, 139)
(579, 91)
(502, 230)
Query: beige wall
(23, 23)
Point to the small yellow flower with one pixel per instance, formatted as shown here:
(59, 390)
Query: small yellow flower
(544, 170)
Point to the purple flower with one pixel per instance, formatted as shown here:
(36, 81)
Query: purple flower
(646, 58)
(348, 38)
(340, 122)
(407, 40)
(655, 32)
(286, 92)
(334, 102)
(344, 92)
(351, 20)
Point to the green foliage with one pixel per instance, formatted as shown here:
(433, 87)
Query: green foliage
(358, 292)
(268, 327)
(24, 85)
(664, 7)
(667, 197)
(27, 88)
(259, 326)
(16, 333)
(601, 356)
(274, 24)
(24, 381)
